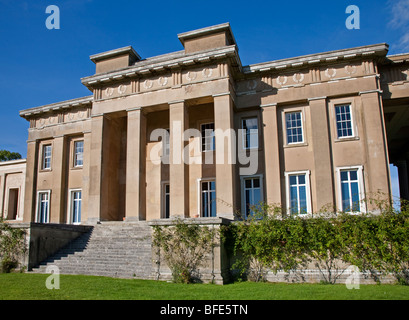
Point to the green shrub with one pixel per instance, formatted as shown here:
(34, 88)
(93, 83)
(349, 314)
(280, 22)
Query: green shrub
(12, 246)
(184, 247)
(375, 243)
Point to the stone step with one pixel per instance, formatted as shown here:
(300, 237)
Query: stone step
(115, 249)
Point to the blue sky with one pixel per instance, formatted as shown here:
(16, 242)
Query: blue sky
(40, 66)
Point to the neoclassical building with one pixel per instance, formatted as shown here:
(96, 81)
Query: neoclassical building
(194, 133)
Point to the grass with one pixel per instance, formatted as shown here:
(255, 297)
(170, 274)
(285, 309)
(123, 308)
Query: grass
(23, 286)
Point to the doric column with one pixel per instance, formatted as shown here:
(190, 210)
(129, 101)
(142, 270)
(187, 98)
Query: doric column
(95, 169)
(178, 167)
(135, 207)
(57, 204)
(225, 156)
(322, 175)
(377, 168)
(271, 154)
(86, 175)
(31, 182)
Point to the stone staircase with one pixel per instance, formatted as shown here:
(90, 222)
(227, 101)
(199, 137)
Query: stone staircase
(114, 249)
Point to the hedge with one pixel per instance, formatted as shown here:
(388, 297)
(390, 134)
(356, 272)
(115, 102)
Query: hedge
(376, 244)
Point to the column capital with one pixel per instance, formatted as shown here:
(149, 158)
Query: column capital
(317, 98)
(176, 101)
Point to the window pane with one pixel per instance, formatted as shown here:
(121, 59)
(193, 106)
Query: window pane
(293, 180)
(355, 196)
(247, 195)
(205, 204)
(303, 199)
(301, 179)
(344, 175)
(353, 175)
(256, 183)
(248, 183)
(213, 204)
(345, 197)
(294, 200)
(167, 206)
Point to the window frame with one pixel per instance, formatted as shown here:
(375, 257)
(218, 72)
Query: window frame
(201, 181)
(301, 112)
(71, 205)
(74, 153)
(361, 186)
(307, 174)
(43, 156)
(38, 203)
(243, 191)
(163, 199)
(166, 144)
(204, 137)
(244, 136)
(353, 135)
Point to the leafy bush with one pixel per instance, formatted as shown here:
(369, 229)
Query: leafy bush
(377, 244)
(12, 246)
(184, 247)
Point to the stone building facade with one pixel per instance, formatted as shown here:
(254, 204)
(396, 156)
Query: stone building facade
(194, 133)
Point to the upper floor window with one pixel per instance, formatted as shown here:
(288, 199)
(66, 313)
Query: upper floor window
(208, 138)
(47, 149)
(250, 136)
(294, 127)
(344, 121)
(78, 153)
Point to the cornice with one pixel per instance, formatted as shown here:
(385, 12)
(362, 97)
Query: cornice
(376, 50)
(56, 106)
(163, 63)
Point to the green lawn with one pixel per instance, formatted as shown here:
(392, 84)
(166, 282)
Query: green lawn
(16, 286)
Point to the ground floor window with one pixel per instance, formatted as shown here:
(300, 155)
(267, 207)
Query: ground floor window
(76, 201)
(208, 198)
(43, 206)
(298, 192)
(252, 194)
(351, 189)
(165, 200)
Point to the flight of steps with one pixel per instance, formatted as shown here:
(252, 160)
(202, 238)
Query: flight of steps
(115, 249)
